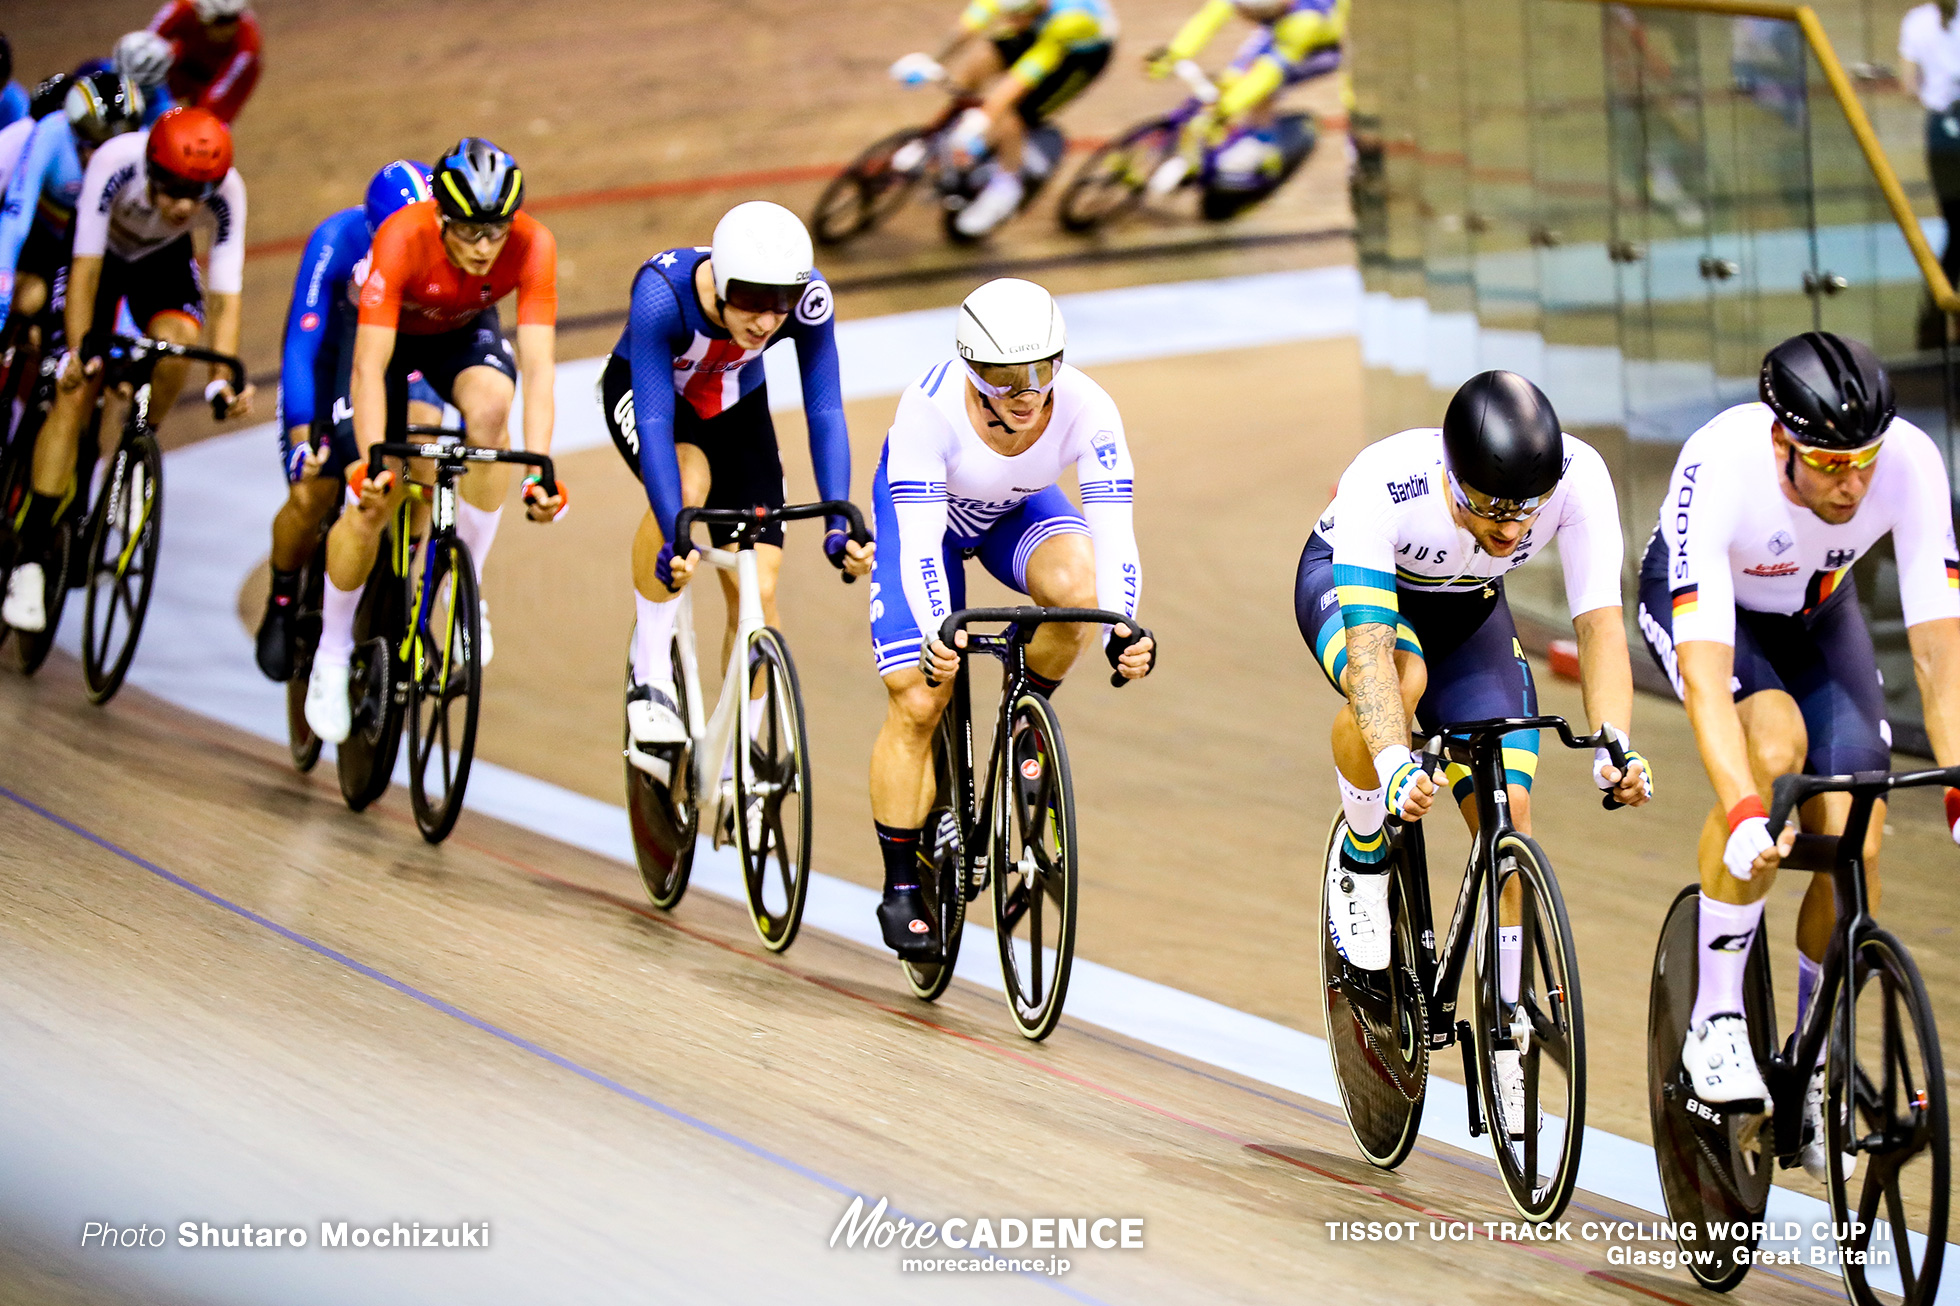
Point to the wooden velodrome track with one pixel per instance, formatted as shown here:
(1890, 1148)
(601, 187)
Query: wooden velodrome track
(223, 998)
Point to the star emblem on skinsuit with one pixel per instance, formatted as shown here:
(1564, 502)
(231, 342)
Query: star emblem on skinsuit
(667, 260)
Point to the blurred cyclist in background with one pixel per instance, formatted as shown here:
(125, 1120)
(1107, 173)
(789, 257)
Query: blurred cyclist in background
(37, 212)
(429, 305)
(1050, 51)
(141, 193)
(13, 96)
(688, 407)
(217, 53)
(316, 370)
(1296, 41)
(145, 58)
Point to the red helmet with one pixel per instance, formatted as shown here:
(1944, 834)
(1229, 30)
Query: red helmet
(191, 145)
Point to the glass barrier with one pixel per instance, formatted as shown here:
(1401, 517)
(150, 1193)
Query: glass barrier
(1630, 204)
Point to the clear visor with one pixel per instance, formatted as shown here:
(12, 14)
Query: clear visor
(1490, 508)
(754, 297)
(1005, 380)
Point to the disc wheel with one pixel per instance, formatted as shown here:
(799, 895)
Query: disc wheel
(1379, 1042)
(1885, 1104)
(772, 795)
(366, 760)
(663, 812)
(445, 691)
(1032, 863)
(1545, 1027)
(865, 193)
(300, 739)
(1111, 181)
(122, 559)
(1714, 1173)
(944, 889)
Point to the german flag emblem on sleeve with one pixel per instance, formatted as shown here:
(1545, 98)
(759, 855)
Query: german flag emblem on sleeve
(1686, 599)
(1953, 573)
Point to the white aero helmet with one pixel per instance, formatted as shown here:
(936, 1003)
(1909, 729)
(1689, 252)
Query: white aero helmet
(1011, 337)
(217, 11)
(762, 258)
(144, 57)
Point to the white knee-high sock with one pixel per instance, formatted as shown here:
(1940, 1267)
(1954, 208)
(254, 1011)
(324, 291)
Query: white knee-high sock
(1363, 807)
(477, 529)
(1725, 932)
(337, 625)
(653, 632)
(1510, 960)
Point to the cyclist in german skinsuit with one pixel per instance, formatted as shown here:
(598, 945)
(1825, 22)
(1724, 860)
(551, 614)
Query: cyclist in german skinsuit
(1748, 603)
(1400, 594)
(970, 469)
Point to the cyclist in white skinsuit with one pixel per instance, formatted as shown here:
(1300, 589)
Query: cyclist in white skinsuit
(970, 471)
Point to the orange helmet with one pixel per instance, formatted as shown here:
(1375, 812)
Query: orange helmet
(189, 150)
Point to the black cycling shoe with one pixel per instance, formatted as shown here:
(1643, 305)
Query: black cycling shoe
(277, 632)
(907, 924)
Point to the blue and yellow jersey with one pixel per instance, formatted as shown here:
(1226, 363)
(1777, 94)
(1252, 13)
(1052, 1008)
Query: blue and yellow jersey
(1302, 43)
(1066, 27)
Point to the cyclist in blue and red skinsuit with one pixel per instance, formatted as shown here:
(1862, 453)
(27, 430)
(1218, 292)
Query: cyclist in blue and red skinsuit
(313, 386)
(685, 400)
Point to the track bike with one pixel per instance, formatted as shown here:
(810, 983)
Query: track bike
(756, 798)
(876, 184)
(1018, 834)
(1117, 178)
(417, 639)
(1885, 1083)
(1382, 1026)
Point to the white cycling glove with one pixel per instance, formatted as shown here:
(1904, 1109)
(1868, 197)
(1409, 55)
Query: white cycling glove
(1398, 769)
(1749, 840)
(1602, 760)
(916, 70)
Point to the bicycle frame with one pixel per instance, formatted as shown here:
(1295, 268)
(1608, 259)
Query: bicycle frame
(714, 735)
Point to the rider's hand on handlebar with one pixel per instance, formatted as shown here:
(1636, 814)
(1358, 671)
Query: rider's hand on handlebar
(1407, 790)
(969, 136)
(917, 70)
(939, 663)
(542, 507)
(1133, 660)
(675, 572)
(370, 490)
(847, 555)
(1634, 786)
(238, 403)
(1158, 64)
(74, 371)
(1749, 851)
(306, 462)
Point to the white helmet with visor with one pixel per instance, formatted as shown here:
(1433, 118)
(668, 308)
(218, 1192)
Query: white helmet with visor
(762, 258)
(1011, 338)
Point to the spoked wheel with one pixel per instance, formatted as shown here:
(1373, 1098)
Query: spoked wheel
(869, 191)
(1377, 1032)
(122, 558)
(1885, 1105)
(366, 761)
(1032, 863)
(772, 796)
(1111, 181)
(300, 739)
(1545, 1030)
(945, 889)
(662, 807)
(31, 648)
(445, 688)
(1715, 1169)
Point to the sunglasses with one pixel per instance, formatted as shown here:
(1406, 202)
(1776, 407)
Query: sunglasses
(181, 188)
(475, 233)
(1005, 380)
(755, 297)
(1836, 461)
(1479, 504)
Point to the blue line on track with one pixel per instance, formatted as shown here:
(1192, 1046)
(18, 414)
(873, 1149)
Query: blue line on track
(477, 1022)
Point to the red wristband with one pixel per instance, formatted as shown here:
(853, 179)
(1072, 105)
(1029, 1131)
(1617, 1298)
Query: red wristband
(1742, 811)
(1952, 808)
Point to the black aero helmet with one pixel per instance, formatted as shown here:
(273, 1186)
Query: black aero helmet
(49, 95)
(6, 59)
(1829, 392)
(1503, 441)
(102, 105)
(477, 182)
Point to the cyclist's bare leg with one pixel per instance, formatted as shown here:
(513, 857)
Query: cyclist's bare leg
(483, 396)
(297, 523)
(1351, 753)
(54, 448)
(647, 541)
(901, 759)
(355, 539)
(167, 382)
(1061, 573)
(1774, 729)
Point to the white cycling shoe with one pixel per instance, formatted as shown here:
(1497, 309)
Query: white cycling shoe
(26, 606)
(653, 717)
(1816, 1161)
(486, 647)
(994, 205)
(1509, 1067)
(328, 713)
(1357, 915)
(1721, 1065)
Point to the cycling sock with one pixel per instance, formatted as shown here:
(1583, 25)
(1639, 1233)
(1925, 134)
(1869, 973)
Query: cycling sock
(285, 586)
(337, 608)
(1364, 852)
(653, 633)
(1725, 931)
(1364, 809)
(1042, 685)
(1510, 961)
(1808, 973)
(477, 529)
(900, 849)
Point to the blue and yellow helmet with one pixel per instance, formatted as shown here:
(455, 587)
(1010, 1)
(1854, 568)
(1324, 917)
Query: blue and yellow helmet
(477, 182)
